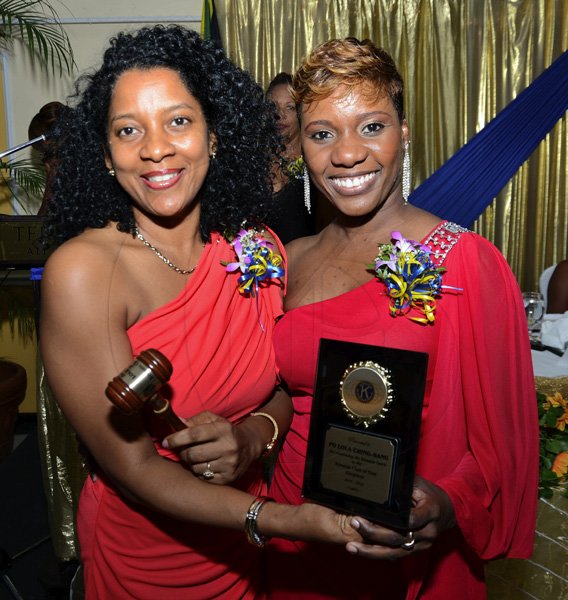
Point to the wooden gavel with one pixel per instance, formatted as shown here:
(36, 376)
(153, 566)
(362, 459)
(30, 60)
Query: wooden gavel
(139, 384)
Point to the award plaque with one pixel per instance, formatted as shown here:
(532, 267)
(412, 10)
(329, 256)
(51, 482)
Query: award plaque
(364, 430)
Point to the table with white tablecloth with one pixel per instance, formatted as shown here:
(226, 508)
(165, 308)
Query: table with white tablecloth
(547, 364)
(554, 335)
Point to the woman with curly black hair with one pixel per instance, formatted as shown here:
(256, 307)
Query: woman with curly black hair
(165, 153)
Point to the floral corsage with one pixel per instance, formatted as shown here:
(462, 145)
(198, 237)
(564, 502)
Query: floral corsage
(413, 281)
(257, 262)
(295, 169)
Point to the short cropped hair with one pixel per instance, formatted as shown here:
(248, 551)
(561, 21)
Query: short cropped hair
(349, 63)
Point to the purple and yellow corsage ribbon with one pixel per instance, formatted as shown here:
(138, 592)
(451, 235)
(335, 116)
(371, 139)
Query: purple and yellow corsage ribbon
(412, 279)
(257, 261)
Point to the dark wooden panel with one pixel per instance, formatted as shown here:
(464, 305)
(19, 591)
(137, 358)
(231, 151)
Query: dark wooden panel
(21, 245)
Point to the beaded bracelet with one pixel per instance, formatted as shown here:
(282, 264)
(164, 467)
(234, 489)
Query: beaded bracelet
(253, 536)
(270, 446)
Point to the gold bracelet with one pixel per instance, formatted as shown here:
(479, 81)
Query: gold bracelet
(270, 446)
(253, 536)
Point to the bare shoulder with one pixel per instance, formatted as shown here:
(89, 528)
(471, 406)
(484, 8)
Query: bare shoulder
(269, 237)
(557, 300)
(79, 276)
(561, 270)
(85, 257)
(420, 223)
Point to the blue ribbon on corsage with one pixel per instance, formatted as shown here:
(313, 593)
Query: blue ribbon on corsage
(256, 261)
(412, 279)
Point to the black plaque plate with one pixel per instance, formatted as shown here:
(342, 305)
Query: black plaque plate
(364, 430)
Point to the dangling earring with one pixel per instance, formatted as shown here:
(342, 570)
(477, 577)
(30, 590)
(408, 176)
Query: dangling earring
(406, 174)
(213, 155)
(307, 200)
(111, 172)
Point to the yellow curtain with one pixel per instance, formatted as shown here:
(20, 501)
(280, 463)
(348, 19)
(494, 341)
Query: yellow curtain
(462, 62)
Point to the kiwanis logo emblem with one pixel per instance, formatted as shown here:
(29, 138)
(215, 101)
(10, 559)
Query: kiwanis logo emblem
(366, 392)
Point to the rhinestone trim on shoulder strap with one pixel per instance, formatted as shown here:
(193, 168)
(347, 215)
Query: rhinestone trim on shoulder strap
(443, 239)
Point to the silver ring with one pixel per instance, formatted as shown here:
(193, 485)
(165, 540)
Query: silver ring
(208, 473)
(410, 541)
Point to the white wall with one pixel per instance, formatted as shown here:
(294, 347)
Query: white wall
(89, 24)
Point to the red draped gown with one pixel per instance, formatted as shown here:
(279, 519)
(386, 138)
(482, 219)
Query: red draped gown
(223, 362)
(479, 433)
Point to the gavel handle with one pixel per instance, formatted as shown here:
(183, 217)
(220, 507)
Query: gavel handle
(161, 407)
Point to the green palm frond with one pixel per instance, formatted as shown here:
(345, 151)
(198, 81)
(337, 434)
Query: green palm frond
(29, 180)
(17, 309)
(36, 24)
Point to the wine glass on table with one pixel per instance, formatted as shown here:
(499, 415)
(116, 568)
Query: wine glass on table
(534, 310)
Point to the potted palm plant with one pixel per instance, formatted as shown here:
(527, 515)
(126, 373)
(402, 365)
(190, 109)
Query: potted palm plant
(34, 27)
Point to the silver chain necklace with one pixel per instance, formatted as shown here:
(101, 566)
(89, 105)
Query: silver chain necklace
(164, 258)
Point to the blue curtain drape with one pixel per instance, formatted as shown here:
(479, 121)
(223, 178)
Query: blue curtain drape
(464, 186)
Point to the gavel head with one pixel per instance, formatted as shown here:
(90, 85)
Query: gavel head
(139, 382)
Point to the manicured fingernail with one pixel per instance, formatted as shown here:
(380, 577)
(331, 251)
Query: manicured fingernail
(351, 549)
(165, 444)
(355, 524)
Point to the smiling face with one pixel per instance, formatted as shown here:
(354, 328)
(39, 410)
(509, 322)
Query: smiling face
(353, 146)
(159, 142)
(288, 125)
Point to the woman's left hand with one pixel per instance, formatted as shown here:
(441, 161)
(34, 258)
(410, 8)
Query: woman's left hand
(213, 448)
(431, 514)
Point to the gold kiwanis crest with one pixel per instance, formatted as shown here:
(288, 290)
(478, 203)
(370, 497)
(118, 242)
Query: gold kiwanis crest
(366, 392)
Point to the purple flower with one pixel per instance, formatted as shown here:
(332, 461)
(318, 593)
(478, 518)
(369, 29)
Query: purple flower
(413, 281)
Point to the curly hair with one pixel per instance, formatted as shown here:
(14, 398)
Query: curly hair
(238, 184)
(349, 63)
